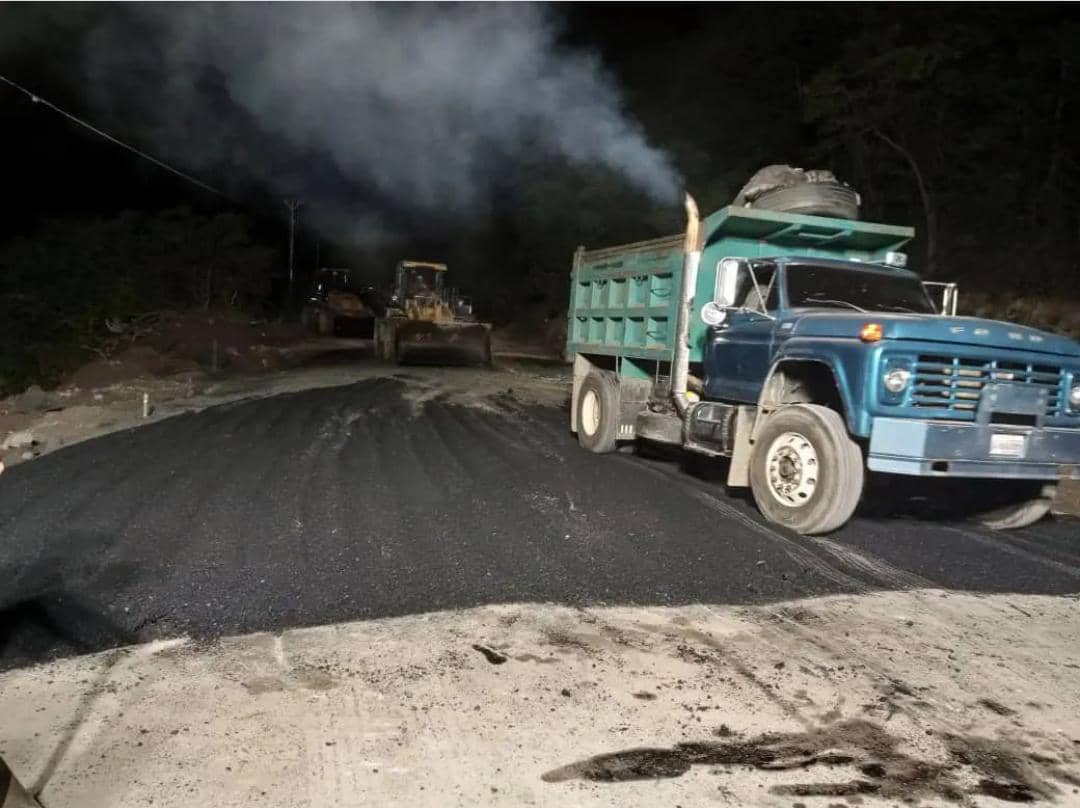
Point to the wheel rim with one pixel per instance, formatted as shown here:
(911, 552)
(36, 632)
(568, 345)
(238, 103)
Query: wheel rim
(590, 412)
(791, 465)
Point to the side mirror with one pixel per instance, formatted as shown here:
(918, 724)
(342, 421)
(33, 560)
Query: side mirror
(713, 314)
(727, 279)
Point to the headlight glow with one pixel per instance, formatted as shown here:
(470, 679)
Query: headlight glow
(1074, 397)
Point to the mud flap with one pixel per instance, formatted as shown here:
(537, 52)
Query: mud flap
(739, 468)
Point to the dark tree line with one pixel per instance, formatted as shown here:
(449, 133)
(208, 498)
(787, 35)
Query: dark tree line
(62, 283)
(964, 125)
(974, 127)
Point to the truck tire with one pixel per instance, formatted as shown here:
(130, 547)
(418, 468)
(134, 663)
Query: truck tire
(598, 412)
(1027, 503)
(812, 199)
(806, 473)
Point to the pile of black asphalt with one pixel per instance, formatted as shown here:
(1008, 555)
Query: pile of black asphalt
(353, 502)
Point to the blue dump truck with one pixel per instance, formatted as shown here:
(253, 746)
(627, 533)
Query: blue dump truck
(803, 351)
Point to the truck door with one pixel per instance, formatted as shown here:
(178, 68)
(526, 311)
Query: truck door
(739, 350)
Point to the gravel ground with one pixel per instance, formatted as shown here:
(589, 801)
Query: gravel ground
(920, 697)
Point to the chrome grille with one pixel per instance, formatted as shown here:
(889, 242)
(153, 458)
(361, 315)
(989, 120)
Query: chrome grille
(956, 382)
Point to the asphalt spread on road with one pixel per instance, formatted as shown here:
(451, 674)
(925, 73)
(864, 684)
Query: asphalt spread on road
(354, 502)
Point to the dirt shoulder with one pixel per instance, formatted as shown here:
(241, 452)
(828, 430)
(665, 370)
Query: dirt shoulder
(916, 696)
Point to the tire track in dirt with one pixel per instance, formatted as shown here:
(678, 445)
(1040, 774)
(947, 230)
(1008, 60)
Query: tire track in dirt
(870, 567)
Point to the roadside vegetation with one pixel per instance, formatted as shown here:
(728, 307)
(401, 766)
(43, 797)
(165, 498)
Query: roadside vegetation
(69, 286)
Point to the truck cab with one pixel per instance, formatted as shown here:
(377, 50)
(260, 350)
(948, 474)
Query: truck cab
(804, 351)
(770, 297)
(895, 366)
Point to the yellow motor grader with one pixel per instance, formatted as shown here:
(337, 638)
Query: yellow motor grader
(425, 323)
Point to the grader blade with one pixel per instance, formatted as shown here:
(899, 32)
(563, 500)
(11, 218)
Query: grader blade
(428, 343)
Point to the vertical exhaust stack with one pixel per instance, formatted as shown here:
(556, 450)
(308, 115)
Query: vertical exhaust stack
(680, 368)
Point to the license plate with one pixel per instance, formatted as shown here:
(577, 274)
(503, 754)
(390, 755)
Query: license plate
(1007, 445)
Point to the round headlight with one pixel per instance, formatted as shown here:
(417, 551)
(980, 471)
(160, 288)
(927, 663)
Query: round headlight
(896, 380)
(1074, 397)
(713, 314)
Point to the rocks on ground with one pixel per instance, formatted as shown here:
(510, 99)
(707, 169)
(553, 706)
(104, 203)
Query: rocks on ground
(19, 439)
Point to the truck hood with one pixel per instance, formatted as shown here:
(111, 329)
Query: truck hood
(931, 328)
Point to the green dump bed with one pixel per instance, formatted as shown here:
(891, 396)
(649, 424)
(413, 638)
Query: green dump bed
(624, 299)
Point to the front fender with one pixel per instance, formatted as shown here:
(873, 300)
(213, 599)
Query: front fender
(847, 360)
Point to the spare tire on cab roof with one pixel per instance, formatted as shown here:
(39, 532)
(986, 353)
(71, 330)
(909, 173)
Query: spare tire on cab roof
(812, 199)
(787, 189)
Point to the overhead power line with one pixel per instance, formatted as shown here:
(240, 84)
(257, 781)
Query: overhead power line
(37, 99)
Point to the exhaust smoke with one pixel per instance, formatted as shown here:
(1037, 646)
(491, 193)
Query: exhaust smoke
(372, 105)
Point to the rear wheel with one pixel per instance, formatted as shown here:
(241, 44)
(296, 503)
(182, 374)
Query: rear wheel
(598, 412)
(806, 473)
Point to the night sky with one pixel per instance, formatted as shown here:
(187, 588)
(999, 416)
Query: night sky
(499, 138)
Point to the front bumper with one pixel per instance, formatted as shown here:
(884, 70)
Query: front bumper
(952, 449)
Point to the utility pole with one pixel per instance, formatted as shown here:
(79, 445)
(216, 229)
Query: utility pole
(293, 205)
(318, 243)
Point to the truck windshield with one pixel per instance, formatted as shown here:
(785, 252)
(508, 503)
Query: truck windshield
(812, 286)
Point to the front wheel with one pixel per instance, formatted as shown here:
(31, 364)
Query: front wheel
(806, 473)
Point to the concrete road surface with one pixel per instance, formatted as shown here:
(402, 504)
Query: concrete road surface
(425, 491)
